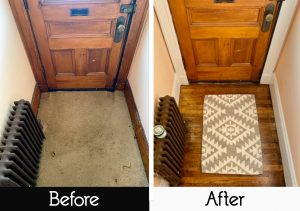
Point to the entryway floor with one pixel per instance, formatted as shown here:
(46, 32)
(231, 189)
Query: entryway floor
(89, 141)
(191, 107)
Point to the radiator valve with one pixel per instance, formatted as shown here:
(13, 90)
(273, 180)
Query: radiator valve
(159, 131)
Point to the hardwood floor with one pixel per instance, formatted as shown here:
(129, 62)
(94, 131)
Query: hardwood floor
(191, 106)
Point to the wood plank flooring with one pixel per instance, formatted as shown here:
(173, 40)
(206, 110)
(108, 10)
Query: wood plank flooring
(191, 106)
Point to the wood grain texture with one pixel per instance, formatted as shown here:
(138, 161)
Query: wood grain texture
(99, 11)
(210, 3)
(226, 16)
(222, 32)
(206, 53)
(35, 101)
(81, 61)
(236, 29)
(92, 26)
(138, 128)
(191, 107)
(78, 42)
(52, 2)
(63, 62)
(97, 61)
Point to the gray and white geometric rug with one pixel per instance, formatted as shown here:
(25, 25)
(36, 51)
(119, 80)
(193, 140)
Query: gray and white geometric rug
(231, 141)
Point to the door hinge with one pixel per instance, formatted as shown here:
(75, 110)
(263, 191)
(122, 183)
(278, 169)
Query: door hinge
(128, 8)
(26, 4)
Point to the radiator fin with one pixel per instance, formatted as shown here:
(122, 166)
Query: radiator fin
(169, 151)
(20, 147)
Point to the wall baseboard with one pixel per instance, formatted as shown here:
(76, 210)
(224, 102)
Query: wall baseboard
(266, 79)
(286, 155)
(178, 81)
(36, 96)
(138, 128)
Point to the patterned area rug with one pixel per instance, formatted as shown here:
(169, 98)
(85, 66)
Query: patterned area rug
(231, 140)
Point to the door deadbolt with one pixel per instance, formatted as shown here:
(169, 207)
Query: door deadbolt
(120, 28)
(268, 17)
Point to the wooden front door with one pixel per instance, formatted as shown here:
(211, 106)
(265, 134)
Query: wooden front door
(75, 39)
(224, 40)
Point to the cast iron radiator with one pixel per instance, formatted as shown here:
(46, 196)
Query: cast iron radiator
(169, 150)
(20, 147)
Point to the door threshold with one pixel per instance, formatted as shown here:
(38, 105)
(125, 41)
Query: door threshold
(225, 82)
(81, 89)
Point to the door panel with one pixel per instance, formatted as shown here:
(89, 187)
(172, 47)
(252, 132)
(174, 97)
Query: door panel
(206, 52)
(242, 51)
(222, 41)
(224, 16)
(93, 28)
(98, 11)
(224, 32)
(97, 60)
(63, 62)
(77, 51)
(49, 2)
(211, 4)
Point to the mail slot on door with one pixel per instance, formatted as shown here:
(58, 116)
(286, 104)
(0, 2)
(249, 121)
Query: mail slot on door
(79, 12)
(224, 1)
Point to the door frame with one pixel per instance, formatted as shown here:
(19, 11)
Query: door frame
(28, 39)
(284, 20)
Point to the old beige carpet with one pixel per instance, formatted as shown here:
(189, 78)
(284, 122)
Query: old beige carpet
(89, 142)
(231, 141)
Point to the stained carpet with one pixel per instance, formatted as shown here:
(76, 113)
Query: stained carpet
(89, 141)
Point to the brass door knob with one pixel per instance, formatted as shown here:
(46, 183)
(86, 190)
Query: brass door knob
(269, 17)
(121, 28)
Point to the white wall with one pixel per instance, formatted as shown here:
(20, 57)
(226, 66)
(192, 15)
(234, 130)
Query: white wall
(283, 24)
(164, 75)
(165, 20)
(164, 72)
(288, 81)
(139, 78)
(16, 78)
